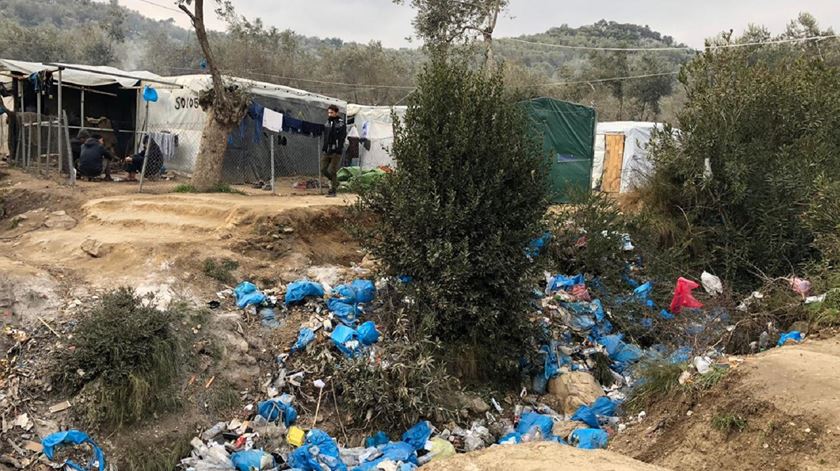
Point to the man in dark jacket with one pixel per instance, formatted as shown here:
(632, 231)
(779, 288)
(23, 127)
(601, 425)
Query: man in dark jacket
(76, 146)
(335, 131)
(94, 158)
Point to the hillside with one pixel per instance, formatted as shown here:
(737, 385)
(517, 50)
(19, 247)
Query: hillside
(95, 33)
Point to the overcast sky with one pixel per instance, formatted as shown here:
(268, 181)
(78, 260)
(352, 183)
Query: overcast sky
(363, 20)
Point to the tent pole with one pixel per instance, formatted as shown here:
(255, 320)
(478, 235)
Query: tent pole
(58, 118)
(82, 119)
(38, 117)
(273, 190)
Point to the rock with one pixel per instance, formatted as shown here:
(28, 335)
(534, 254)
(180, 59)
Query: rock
(93, 247)
(476, 405)
(575, 389)
(801, 326)
(59, 220)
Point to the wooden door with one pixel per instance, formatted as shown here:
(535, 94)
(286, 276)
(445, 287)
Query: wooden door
(613, 161)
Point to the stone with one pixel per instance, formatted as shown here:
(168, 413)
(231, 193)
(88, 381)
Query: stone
(801, 326)
(476, 405)
(93, 247)
(575, 389)
(59, 220)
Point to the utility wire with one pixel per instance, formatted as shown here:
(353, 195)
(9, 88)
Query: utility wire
(610, 79)
(672, 48)
(162, 6)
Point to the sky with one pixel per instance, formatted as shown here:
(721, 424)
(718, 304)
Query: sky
(689, 22)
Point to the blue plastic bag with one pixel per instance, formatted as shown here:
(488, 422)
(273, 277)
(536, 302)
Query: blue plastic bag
(536, 245)
(377, 439)
(604, 406)
(533, 419)
(612, 343)
(680, 355)
(417, 435)
(246, 294)
(252, 460)
(405, 279)
(73, 437)
(793, 335)
(365, 290)
(628, 353)
(304, 459)
(396, 452)
(590, 438)
(345, 294)
(368, 334)
(586, 415)
(513, 438)
(666, 315)
(268, 318)
(348, 314)
(551, 367)
(565, 282)
(305, 337)
(272, 409)
(343, 334)
(642, 292)
(150, 94)
(301, 289)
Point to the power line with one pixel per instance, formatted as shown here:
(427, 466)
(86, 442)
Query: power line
(671, 48)
(610, 79)
(280, 77)
(162, 6)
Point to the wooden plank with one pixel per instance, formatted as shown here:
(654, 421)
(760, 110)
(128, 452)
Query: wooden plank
(613, 162)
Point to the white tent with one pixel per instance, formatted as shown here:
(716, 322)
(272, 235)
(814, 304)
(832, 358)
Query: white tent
(621, 161)
(178, 111)
(375, 124)
(101, 75)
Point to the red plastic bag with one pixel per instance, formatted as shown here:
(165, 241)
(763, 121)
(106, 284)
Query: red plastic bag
(683, 297)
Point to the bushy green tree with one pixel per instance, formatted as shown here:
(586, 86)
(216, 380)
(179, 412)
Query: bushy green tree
(468, 195)
(760, 125)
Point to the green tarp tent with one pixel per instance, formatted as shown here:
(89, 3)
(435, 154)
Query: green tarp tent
(568, 135)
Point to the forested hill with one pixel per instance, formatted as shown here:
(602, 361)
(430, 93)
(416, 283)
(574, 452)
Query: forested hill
(101, 33)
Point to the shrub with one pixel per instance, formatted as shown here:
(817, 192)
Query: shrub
(217, 188)
(220, 269)
(657, 381)
(728, 423)
(404, 385)
(127, 355)
(469, 193)
(766, 122)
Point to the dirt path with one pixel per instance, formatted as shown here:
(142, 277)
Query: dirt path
(539, 457)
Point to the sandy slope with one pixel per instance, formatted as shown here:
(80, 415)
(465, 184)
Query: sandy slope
(540, 457)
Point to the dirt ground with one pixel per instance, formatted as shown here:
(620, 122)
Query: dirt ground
(788, 402)
(539, 457)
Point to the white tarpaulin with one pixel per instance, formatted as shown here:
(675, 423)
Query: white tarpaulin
(635, 166)
(78, 77)
(9, 104)
(178, 110)
(375, 124)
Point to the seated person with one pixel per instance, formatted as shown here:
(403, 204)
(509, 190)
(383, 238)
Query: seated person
(154, 166)
(76, 146)
(94, 158)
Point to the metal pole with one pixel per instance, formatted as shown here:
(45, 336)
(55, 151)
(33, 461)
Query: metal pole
(82, 120)
(146, 153)
(318, 154)
(49, 145)
(273, 190)
(71, 168)
(38, 117)
(58, 118)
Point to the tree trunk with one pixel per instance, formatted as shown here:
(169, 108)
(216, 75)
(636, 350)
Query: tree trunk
(207, 173)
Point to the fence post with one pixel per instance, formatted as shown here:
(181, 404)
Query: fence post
(49, 145)
(71, 170)
(273, 137)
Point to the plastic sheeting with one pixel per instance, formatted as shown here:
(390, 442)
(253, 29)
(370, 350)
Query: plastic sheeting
(636, 166)
(81, 78)
(74, 437)
(568, 132)
(376, 124)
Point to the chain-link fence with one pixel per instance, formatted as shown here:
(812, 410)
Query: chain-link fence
(41, 146)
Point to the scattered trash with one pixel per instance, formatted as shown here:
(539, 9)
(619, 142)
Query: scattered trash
(800, 286)
(295, 436)
(252, 460)
(247, 294)
(438, 449)
(277, 408)
(346, 339)
(268, 319)
(815, 299)
(61, 406)
(703, 365)
(305, 337)
(683, 296)
(318, 449)
(377, 439)
(301, 289)
(589, 439)
(711, 284)
(791, 337)
(74, 438)
(417, 435)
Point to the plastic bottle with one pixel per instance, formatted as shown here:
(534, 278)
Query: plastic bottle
(763, 341)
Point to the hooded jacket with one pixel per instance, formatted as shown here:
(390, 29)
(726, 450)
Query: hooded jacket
(91, 155)
(335, 132)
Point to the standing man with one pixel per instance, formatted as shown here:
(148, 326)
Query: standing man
(335, 131)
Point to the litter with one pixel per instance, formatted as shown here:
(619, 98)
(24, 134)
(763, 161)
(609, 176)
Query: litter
(377, 439)
(252, 460)
(346, 313)
(318, 449)
(417, 435)
(368, 334)
(586, 415)
(70, 438)
(346, 339)
(711, 284)
(274, 409)
(305, 337)
(295, 436)
(302, 289)
(268, 318)
(703, 365)
(438, 449)
(791, 337)
(800, 286)
(683, 296)
(247, 294)
(590, 439)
